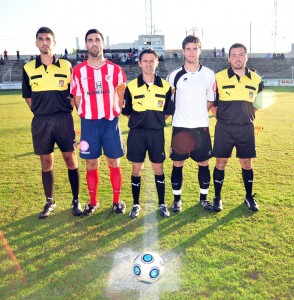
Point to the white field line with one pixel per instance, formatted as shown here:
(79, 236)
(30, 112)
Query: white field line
(121, 275)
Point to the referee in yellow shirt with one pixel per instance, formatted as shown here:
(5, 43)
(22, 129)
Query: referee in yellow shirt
(45, 87)
(237, 88)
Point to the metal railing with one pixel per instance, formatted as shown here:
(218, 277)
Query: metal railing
(6, 76)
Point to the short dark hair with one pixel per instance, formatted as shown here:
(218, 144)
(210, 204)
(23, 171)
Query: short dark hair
(90, 31)
(191, 39)
(45, 30)
(148, 51)
(237, 45)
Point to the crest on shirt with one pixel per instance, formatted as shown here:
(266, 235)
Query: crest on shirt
(72, 84)
(61, 83)
(107, 78)
(98, 85)
(250, 95)
(214, 87)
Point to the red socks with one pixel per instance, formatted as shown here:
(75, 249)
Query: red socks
(92, 178)
(116, 182)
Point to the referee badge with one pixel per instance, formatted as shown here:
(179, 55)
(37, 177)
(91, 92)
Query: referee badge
(160, 103)
(61, 83)
(250, 95)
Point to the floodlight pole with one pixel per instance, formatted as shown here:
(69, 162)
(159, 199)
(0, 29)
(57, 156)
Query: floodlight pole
(148, 17)
(250, 37)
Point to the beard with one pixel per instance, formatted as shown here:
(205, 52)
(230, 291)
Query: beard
(95, 52)
(44, 51)
(238, 65)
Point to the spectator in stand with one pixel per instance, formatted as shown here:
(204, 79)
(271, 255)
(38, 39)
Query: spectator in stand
(1, 61)
(5, 54)
(223, 52)
(17, 54)
(214, 52)
(123, 60)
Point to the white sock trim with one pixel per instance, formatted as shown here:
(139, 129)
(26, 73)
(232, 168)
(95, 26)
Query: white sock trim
(177, 192)
(204, 191)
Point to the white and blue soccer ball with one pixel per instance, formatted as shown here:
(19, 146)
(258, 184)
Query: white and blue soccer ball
(148, 267)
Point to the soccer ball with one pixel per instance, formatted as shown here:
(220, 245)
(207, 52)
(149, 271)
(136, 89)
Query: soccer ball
(148, 267)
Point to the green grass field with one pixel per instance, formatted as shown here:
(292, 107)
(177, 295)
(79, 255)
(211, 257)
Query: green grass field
(235, 254)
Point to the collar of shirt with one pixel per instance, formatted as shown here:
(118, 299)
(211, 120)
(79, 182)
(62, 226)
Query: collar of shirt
(231, 73)
(157, 81)
(54, 62)
(196, 71)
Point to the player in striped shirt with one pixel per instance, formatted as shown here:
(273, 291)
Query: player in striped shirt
(98, 87)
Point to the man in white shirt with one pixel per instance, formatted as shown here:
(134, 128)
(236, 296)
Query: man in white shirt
(193, 88)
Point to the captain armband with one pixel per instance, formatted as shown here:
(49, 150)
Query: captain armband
(121, 88)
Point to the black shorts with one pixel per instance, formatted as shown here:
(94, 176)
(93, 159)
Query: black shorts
(142, 140)
(228, 136)
(46, 131)
(201, 149)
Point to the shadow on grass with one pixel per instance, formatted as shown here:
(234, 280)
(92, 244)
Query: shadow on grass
(25, 154)
(194, 215)
(10, 103)
(32, 153)
(61, 252)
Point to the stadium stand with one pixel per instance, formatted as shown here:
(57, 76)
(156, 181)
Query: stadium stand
(268, 69)
(16, 71)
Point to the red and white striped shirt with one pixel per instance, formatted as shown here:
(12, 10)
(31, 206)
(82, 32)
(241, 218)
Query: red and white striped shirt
(98, 89)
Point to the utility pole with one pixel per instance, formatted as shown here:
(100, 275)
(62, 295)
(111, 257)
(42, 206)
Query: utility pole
(275, 24)
(194, 29)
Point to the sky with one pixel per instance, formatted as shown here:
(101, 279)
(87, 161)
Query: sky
(218, 23)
